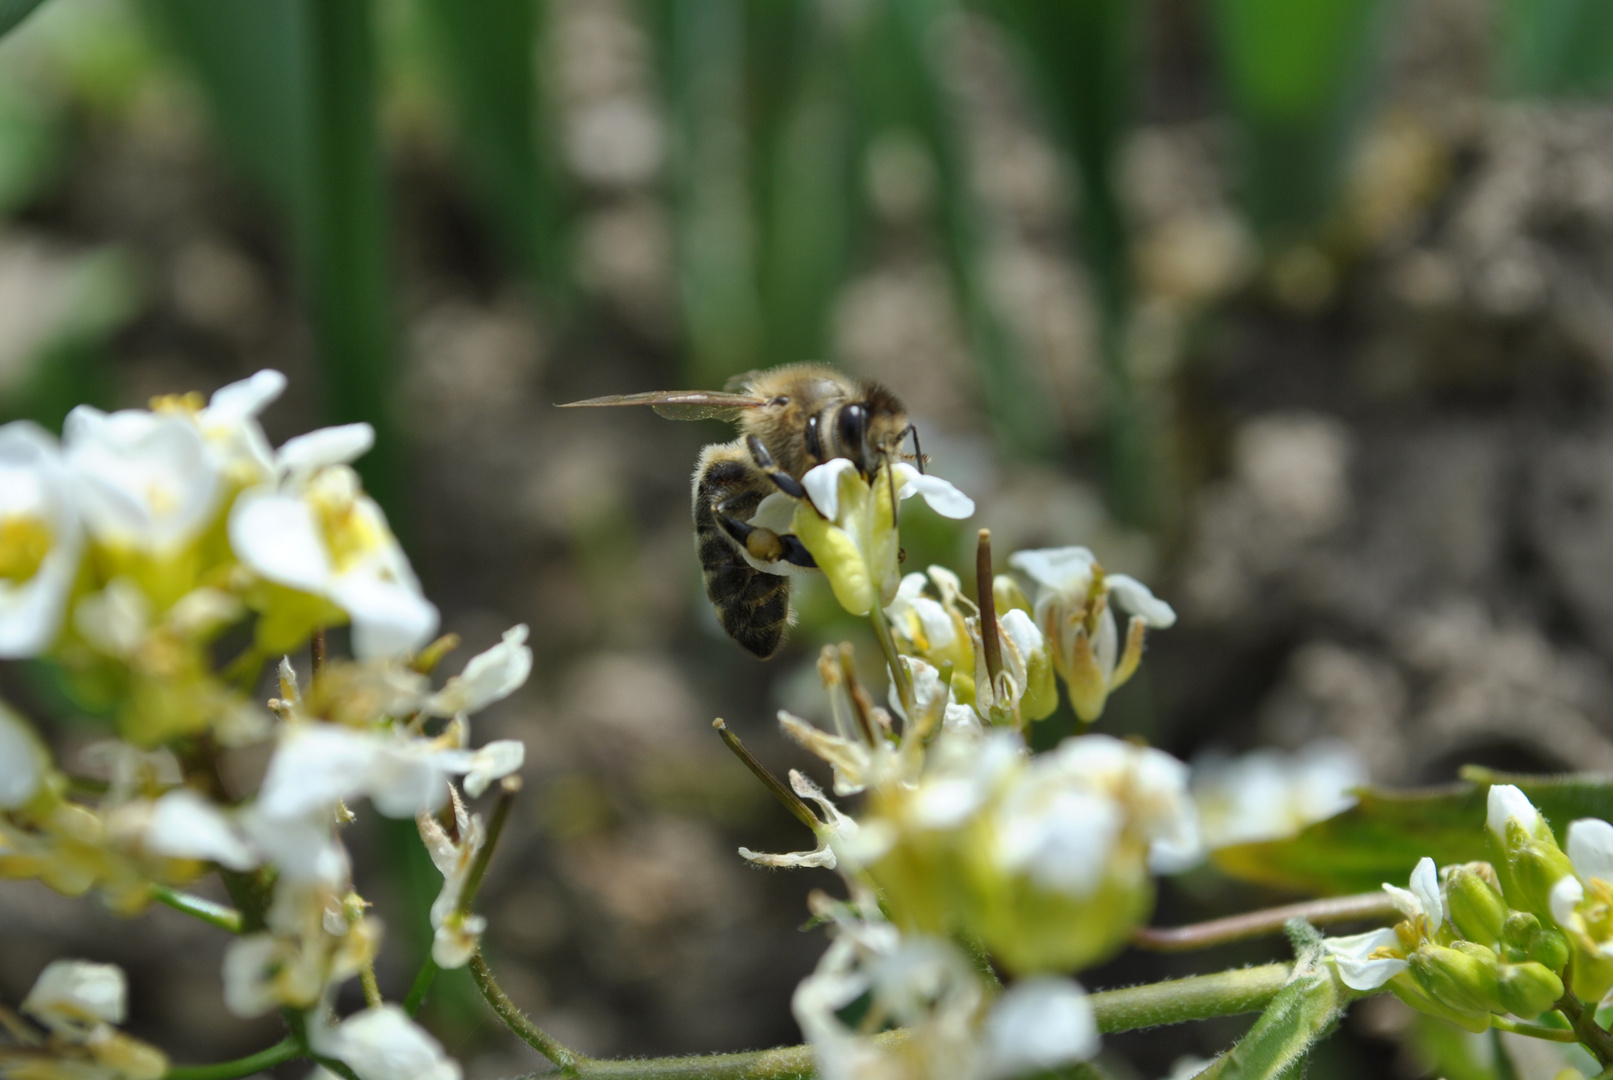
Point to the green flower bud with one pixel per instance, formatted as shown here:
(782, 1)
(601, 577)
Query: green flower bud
(1458, 979)
(1536, 865)
(1549, 948)
(1528, 989)
(1527, 858)
(1406, 987)
(1519, 929)
(1477, 907)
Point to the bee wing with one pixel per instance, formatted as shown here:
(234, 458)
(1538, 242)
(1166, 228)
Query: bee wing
(679, 404)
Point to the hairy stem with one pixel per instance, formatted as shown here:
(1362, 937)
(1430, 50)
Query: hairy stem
(225, 918)
(1335, 909)
(1591, 1034)
(517, 1021)
(284, 1050)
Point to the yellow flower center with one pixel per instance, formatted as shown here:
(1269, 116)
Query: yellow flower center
(189, 403)
(349, 532)
(24, 542)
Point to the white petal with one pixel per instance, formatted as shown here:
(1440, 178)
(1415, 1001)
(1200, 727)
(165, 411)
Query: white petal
(1566, 896)
(1022, 631)
(277, 536)
(1136, 598)
(1351, 956)
(186, 826)
(488, 677)
(327, 446)
(35, 484)
(240, 400)
(776, 512)
(409, 778)
(1590, 849)
(390, 618)
(76, 996)
(1067, 569)
(249, 964)
(1405, 901)
(943, 498)
(822, 484)
(22, 760)
(315, 766)
(303, 849)
(382, 1043)
(495, 761)
(1039, 1024)
(1425, 884)
(144, 479)
(1506, 803)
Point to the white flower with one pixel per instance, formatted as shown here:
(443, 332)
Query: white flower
(382, 1043)
(146, 481)
(1507, 804)
(1038, 1025)
(327, 538)
(849, 526)
(1590, 852)
(1422, 904)
(1073, 608)
(40, 539)
(488, 677)
(457, 936)
(72, 997)
(1268, 794)
(184, 825)
(23, 761)
(1364, 961)
(230, 426)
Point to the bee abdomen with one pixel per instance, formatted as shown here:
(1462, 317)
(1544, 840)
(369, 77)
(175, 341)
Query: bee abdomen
(753, 607)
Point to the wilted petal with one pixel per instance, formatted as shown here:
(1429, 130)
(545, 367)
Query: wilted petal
(73, 996)
(943, 498)
(1590, 849)
(1136, 598)
(186, 826)
(325, 447)
(1038, 1025)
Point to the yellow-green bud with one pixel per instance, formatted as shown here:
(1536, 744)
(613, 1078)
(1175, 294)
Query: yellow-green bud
(1041, 689)
(1528, 989)
(1535, 866)
(1519, 929)
(1457, 978)
(1477, 907)
(1549, 948)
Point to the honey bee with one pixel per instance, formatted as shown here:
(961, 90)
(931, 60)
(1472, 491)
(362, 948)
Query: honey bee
(791, 419)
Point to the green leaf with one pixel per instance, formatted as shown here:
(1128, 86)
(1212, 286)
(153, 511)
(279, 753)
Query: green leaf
(1304, 1010)
(486, 51)
(1381, 838)
(1556, 47)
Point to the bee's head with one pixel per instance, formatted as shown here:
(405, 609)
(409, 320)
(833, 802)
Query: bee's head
(870, 431)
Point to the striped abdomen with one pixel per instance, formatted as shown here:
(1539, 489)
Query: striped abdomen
(752, 606)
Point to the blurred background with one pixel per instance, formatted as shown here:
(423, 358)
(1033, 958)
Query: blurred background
(1300, 312)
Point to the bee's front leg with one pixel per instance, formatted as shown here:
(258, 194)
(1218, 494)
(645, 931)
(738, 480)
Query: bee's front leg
(781, 479)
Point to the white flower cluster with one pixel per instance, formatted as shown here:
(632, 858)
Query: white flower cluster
(125, 551)
(1269, 794)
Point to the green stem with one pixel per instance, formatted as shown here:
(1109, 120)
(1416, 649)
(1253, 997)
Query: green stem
(225, 918)
(284, 1050)
(422, 985)
(1534, 1031)
(899, 673)
(517, 1021)
(1591, 1034)
(1197, 997)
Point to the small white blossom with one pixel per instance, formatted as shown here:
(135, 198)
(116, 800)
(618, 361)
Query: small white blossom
(23, 761)
(457, 936)
(327, 538)
(1040, 1024)
(1421, 904)
(229, 424)
(382, 1043)
(1074, 608)
(1268, 794)
(488, 677)
(145, 481)
(1590, 852)
(1506, 804)
(72, 997)
(186, 826)
(40, 539)
(1364, 961)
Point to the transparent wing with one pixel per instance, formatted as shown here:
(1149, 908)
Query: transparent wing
(679, 404)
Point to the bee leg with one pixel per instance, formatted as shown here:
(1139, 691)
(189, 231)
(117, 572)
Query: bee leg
(764, 461)
(765, 545)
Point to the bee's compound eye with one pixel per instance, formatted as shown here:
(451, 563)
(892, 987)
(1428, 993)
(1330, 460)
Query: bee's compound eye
(782, 399)
(853, 429)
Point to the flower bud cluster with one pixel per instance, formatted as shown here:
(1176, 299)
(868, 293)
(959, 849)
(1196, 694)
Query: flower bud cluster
(77, 1006)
